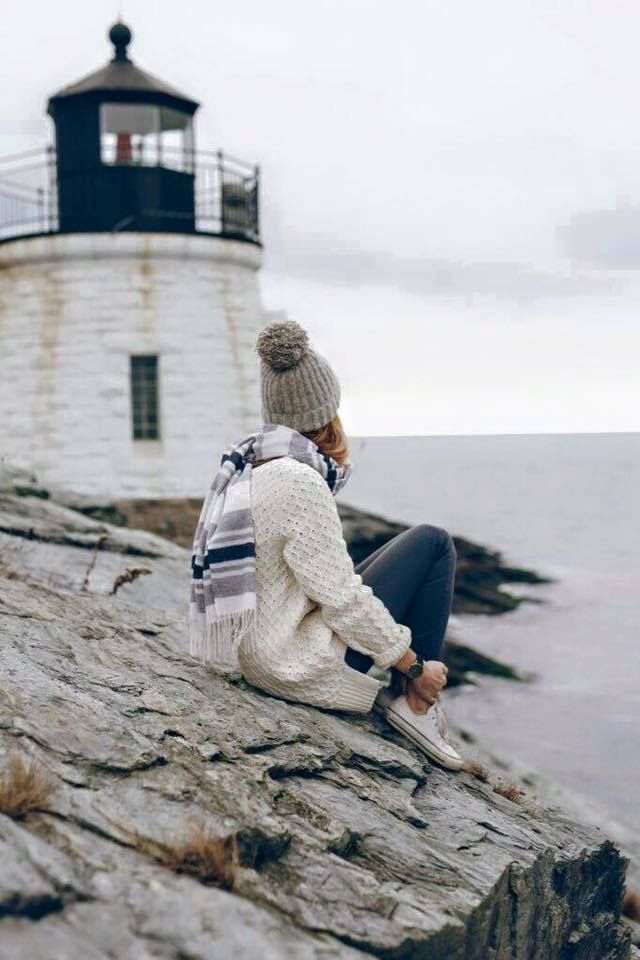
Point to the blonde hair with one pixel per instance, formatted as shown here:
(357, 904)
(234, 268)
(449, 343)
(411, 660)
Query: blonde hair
(331, 439)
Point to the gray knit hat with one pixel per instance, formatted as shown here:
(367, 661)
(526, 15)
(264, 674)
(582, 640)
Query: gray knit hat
(299, 388)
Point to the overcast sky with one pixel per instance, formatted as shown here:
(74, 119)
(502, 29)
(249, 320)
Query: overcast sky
(436, 181)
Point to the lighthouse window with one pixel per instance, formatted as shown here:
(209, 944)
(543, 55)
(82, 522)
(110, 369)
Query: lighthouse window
(176, 140)
(144, 397)
(145, 135)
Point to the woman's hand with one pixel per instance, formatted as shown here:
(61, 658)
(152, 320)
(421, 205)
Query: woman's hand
(424, 691)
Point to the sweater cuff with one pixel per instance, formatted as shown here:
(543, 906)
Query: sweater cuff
(388, 657)
(358, 691)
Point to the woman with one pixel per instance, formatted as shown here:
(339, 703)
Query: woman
(274, 591)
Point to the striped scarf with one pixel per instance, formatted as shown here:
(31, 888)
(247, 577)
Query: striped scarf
(222, 607)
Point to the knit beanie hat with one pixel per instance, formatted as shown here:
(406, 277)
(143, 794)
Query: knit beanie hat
(299, 388)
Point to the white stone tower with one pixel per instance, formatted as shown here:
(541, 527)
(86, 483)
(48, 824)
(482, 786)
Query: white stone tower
(129, 298)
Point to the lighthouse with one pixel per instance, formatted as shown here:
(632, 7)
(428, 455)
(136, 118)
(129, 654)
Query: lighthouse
(129, 295)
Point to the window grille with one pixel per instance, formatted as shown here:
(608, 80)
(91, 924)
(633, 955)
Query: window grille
(144, 397)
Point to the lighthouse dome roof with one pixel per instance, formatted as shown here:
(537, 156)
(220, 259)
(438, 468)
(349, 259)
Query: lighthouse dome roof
(121, 79)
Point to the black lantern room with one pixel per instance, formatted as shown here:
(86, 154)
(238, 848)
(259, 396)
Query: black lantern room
(125, 156)
(125, 159)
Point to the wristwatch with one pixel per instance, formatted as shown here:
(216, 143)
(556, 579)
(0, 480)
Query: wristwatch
(416, 669)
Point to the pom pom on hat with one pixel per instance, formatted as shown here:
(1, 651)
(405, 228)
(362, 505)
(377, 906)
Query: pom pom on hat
(283, 344)
(299, 388)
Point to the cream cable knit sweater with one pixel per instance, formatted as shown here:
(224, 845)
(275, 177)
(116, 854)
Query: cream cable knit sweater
(311, 603)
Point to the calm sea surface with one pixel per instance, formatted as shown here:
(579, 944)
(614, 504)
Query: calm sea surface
(568, 506)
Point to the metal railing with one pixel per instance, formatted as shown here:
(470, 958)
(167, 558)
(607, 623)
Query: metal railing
(28, 193)
(226, 194)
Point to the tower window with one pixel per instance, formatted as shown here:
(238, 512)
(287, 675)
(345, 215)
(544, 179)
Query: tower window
(141, 134)
(144, 397)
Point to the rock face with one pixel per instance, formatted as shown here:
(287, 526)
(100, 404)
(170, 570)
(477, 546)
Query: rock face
(349, 843)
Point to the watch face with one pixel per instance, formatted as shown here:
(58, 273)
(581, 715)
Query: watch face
(415, 670)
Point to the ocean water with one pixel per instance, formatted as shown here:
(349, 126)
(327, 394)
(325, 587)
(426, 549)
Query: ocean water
(568, 506)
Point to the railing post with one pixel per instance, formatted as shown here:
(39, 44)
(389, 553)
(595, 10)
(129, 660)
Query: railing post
(52, 189)
(256, 211)
(220, 157)
(41, 214)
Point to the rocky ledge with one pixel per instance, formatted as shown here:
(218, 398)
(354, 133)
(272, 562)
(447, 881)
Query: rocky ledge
(153, 809)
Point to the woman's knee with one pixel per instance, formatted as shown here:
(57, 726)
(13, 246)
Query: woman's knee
(435, 539)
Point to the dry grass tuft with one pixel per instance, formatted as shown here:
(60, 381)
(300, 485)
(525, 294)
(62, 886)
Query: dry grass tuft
(510, 790)
(102, 539)
(505, 788)
(210, 859)
(631, 905)
(130, 574)
(24, 787)
(477, 770)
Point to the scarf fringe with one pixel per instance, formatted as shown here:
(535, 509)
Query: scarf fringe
(215, 642)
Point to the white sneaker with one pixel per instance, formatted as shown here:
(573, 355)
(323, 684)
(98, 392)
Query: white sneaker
(428, 731)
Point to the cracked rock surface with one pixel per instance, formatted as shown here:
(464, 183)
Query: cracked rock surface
(351, 844)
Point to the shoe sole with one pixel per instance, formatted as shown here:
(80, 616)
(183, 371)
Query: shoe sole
(422, 743)
(380, 708)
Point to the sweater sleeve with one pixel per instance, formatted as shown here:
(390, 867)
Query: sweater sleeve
(316, 552)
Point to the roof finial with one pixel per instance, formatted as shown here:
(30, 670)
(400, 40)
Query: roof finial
(120, 36)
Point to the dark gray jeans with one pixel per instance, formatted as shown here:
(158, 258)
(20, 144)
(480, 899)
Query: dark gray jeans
(413, 575)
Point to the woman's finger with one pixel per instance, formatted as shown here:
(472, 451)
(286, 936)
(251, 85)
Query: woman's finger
(417, 702)
(417, 705)
(429, 691)
(422, 697)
